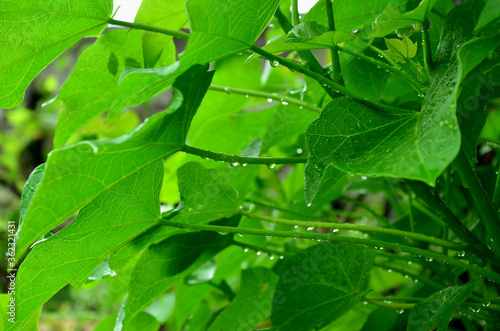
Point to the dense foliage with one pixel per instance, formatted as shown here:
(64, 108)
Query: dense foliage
(336, 170)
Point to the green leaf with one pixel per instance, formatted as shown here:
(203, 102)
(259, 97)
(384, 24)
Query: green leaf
(29, 190)
(490, 13)
(142, 322)
(170, 15)
(110, 220)
(205, 197)
(92, 88)
(286, 122)
(236, 29)
(251, 304)
(392, 19)
(401, 50)
(136, 86)
(165, 263)
(321, 183)
(187, 297)
(320, 284)
(306, 31)
(360, 140)
(436, 311)
(75, 175)
(53, 26)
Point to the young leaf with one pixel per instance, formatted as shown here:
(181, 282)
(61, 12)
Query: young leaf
(236, 28)
(29, 190)
(110, 220)
(436, 311)
(391, 19)
(251, 305)
(75, 175)
(401, 50)
(53, 26)
(165, 263)
(92, 88)
(320, 284)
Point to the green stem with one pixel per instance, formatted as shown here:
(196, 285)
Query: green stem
(356, 227)
(426, 46)
(493, 143)
(496, 193)
(379, 217)
(273, 96)
(482, 200)
(411, 81)
(256, 248)
(243, 160)
(441, 210)
(295, 12)
(306, 55)
(298, 68)
(382, 65)
(176, 34)
(414, 276)
(335, 238)
(263, 204)
(401, 298)
(393, 305)
(337, 71)
(410, 203)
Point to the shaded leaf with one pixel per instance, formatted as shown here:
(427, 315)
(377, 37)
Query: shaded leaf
(75, 175)
(251, 305)
(53, 26)
(165, 263)
(109, 221)
(490, 12)
(436, 311)
(142, 322)
(320, 284)
(92, 88)
(306, 31)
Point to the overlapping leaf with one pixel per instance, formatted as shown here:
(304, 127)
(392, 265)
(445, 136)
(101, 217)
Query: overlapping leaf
(320, 284)
(75, 175)
(110, 220)
(223, 27)
(34, 33)
(92, 88)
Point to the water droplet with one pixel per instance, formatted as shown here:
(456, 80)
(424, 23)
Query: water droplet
(284, 103)
(235, 164)
(281, 257)
(363, 177)
(295, 226)
(222, 233)
(335, 230)
(226, 89)
(415, 280)
(389, 270)
(245, 250)
(400, 311)
(247, 96)
(429, 259)
(365, 302)
(243, 164)
(299, 151)
(310, 228)
(240, 235)
(271, 165)
(269, 236)
(269, 100)
(274, 63)
(309, 204)
(258, 253)
(271, 257)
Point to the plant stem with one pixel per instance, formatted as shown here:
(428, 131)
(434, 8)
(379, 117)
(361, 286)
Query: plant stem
(335, 238)
(356, 227)
(176, 34)
(410, 203)
(263, 204)
(482, 200)
(243, 160)
(337, 71)
(306, 55)
(414, 276)
(296, 67)
(493, 143)
(441, 210)
(295, 12)
(379, 217)
(382, 65)
(273, 96)
(496, 193)
(269, 251)
(426, 47)
(392, 305)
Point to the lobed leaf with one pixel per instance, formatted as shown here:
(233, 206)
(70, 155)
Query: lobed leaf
(34, 33)
(109, 221)
(75, 175)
